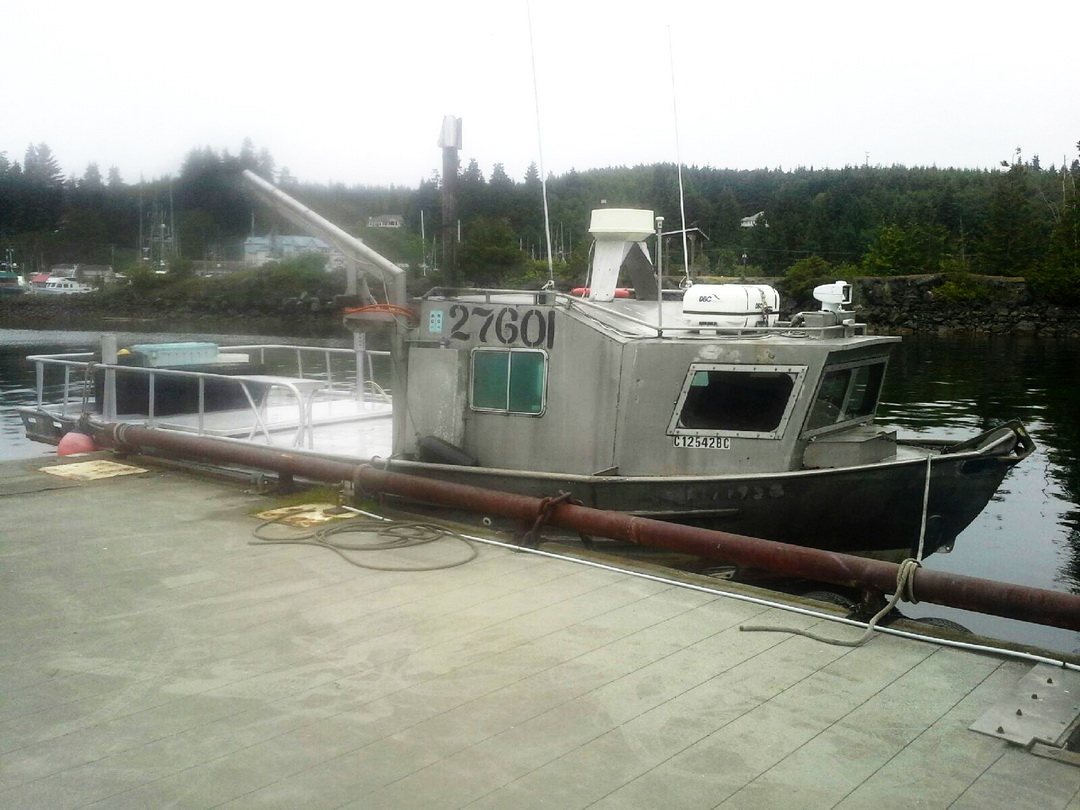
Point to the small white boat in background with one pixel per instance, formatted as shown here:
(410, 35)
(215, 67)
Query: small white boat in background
(61, 285)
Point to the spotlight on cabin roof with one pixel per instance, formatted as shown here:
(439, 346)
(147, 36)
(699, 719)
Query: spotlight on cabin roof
(833, 297)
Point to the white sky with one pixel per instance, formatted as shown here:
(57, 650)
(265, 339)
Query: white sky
(355, 92)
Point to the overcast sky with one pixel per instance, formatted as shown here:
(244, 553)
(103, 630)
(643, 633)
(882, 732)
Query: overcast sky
(355, 92)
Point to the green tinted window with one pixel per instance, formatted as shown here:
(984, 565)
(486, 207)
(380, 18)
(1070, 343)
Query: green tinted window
(491, 376)
(509, 381)
(526, 382)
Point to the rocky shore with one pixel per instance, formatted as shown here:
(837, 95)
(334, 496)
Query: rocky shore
(309, 314)
(925, 303)
(975, 305)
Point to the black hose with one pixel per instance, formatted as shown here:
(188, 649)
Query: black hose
(389, 535)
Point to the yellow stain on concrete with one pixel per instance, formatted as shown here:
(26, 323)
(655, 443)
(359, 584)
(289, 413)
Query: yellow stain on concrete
(303, 515)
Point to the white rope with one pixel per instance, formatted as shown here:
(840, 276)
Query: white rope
(905, 587)
(925, 507)
(905, 579)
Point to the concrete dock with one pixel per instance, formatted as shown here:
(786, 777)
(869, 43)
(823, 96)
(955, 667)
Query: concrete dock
(153, 657)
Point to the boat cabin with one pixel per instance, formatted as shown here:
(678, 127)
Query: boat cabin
(698, 382)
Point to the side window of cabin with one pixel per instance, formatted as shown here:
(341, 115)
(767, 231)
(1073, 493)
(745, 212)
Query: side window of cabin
(509, 381)
(750, 401)
(846, 393)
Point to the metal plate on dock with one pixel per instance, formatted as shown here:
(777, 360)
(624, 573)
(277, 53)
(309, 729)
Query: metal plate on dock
(91, 470)
(1043, 707)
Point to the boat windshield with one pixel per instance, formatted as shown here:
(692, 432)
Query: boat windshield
(847, 393)
(751, 401)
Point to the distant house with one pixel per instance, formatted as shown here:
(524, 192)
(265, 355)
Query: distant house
(386, 221)
(258, 250)
(94, 272)
(754, 221)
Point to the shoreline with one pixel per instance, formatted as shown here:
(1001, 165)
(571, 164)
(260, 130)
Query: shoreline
(894, 304)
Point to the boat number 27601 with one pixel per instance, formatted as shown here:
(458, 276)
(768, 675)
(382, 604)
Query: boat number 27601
(505, 325)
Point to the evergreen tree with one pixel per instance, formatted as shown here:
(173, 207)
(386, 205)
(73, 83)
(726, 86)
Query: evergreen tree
(91, 177)
(264, 165)
(499, 178)
(1057, 278)
(1012, 236)
(40, 167)
(911, 250)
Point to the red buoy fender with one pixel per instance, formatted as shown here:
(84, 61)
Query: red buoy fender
(73, 442)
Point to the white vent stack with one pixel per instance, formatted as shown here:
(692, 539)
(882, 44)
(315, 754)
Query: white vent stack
(616, 231)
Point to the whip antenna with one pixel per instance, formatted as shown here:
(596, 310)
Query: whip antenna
(540, 149)
(678, 158)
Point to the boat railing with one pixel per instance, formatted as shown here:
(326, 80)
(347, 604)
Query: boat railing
(302, 383)
(614, 314)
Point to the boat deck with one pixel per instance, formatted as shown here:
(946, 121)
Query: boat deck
(341, 427)
(359, 430)
(153, 657)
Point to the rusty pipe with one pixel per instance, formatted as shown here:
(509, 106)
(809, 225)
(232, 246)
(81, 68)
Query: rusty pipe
(1051, 608)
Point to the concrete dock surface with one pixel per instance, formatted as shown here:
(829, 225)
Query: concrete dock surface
(153, 657)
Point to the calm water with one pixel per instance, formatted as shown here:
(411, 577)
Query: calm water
(937, 386)
(1029, 534)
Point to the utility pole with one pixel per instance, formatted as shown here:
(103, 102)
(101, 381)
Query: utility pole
(450, 143)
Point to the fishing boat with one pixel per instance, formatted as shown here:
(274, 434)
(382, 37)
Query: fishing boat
(697, 405)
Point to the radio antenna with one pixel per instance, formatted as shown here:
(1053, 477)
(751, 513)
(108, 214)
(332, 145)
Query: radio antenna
(678, 158)
(540, 149)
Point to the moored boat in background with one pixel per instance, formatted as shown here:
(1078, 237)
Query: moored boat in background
(11, 283)
(62, 285)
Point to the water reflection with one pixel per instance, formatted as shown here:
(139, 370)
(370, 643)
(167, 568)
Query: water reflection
(1030, 532)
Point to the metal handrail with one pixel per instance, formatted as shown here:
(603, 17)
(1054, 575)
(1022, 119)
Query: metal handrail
(84, 361)
(554, 298)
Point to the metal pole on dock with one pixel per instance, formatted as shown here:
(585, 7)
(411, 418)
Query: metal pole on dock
(109, 357)
(1051, 608)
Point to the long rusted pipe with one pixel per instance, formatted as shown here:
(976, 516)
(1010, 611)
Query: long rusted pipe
(1052, 608)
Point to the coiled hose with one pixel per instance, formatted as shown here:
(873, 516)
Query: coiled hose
(388, 535)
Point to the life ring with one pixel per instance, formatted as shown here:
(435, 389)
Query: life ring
(581, 292)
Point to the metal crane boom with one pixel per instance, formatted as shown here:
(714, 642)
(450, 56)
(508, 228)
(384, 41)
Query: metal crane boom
(353, 249)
